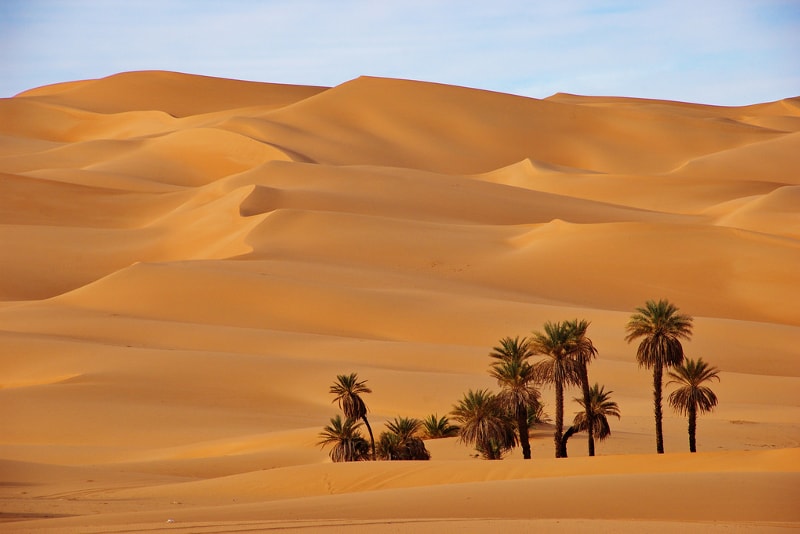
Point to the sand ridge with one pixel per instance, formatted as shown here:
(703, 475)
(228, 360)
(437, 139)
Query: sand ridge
(183, 277)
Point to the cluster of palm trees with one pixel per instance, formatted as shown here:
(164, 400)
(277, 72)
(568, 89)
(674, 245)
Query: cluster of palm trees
(495, 423)
(402, 439)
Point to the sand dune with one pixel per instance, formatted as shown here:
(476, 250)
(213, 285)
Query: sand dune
(184, 276)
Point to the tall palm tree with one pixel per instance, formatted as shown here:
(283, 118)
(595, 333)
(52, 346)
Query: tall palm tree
(435, 427)
(559, 368)
(515, 376)
(484, 424)
(584, 352)
(348, 390)
(401, 441)
(661, 328)
(348, 444)
(692, 396)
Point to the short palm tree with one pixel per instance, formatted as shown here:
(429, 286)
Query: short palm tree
(348, 390)
(692, 396)
(401, 441)
(600, 408)
(434, 427)
(484, 424)
(584, 352)
(515, 376)
(348, 444)
(661, 328)
(559, 368)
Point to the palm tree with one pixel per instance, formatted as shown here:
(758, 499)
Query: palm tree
(692, 396)
(600, 408)
(516, 378)
(348, 390)
(348, 444)
(661, 328)
(484, 424)
(584, 352)
(401, 441)
(435, 427)
(559, 368)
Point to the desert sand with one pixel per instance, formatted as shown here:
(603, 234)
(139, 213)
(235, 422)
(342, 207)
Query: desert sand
(188, 262)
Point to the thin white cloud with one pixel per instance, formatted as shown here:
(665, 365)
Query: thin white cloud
(714, 51)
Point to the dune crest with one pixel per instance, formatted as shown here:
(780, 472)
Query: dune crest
(188, 263)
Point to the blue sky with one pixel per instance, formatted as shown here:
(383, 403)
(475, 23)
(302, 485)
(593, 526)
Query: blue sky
(726, 52)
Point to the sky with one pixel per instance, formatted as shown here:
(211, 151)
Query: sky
(723, 52)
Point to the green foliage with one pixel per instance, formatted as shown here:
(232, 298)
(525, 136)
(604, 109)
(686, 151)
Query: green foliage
(435, 427)
(558, 344)
(661, 328)
(347, 390)
(485, 424)
(348, 445)
(401, 441)
(691, 393)
(601, 407)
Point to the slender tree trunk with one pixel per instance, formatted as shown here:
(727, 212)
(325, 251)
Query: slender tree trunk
(567, 435)
(559, 417)
(587, 405)
(371, 437)
(522, 426)
(692, 428)
(657, 373)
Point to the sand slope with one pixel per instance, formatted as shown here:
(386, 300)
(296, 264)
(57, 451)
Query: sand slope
(188, 262)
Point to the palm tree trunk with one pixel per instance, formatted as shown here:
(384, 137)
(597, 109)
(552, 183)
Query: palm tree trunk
(522, 426)
(587, 404)
(657, 373)
(567, 435)
(371, 437)
(692, 428)
(559, 417)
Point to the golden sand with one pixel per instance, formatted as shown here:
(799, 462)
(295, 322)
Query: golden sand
(188, 262)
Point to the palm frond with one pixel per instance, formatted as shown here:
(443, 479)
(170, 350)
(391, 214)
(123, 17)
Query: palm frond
(691, 393)
(601, 408)
(484, 424)
(347, 443)
(438, 427)
(347, 392)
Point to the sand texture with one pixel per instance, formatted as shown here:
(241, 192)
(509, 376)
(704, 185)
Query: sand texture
(188, 262)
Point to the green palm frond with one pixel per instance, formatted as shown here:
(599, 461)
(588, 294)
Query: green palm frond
(345, 438)
(438, 427)
(512, 349)
(557, 343)
(601, 407)
(661, 327)
(484, 424)
(690, 377)
(405, 427)
(401, 441)
(347, 390)
(582, 348)
(516, 379)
